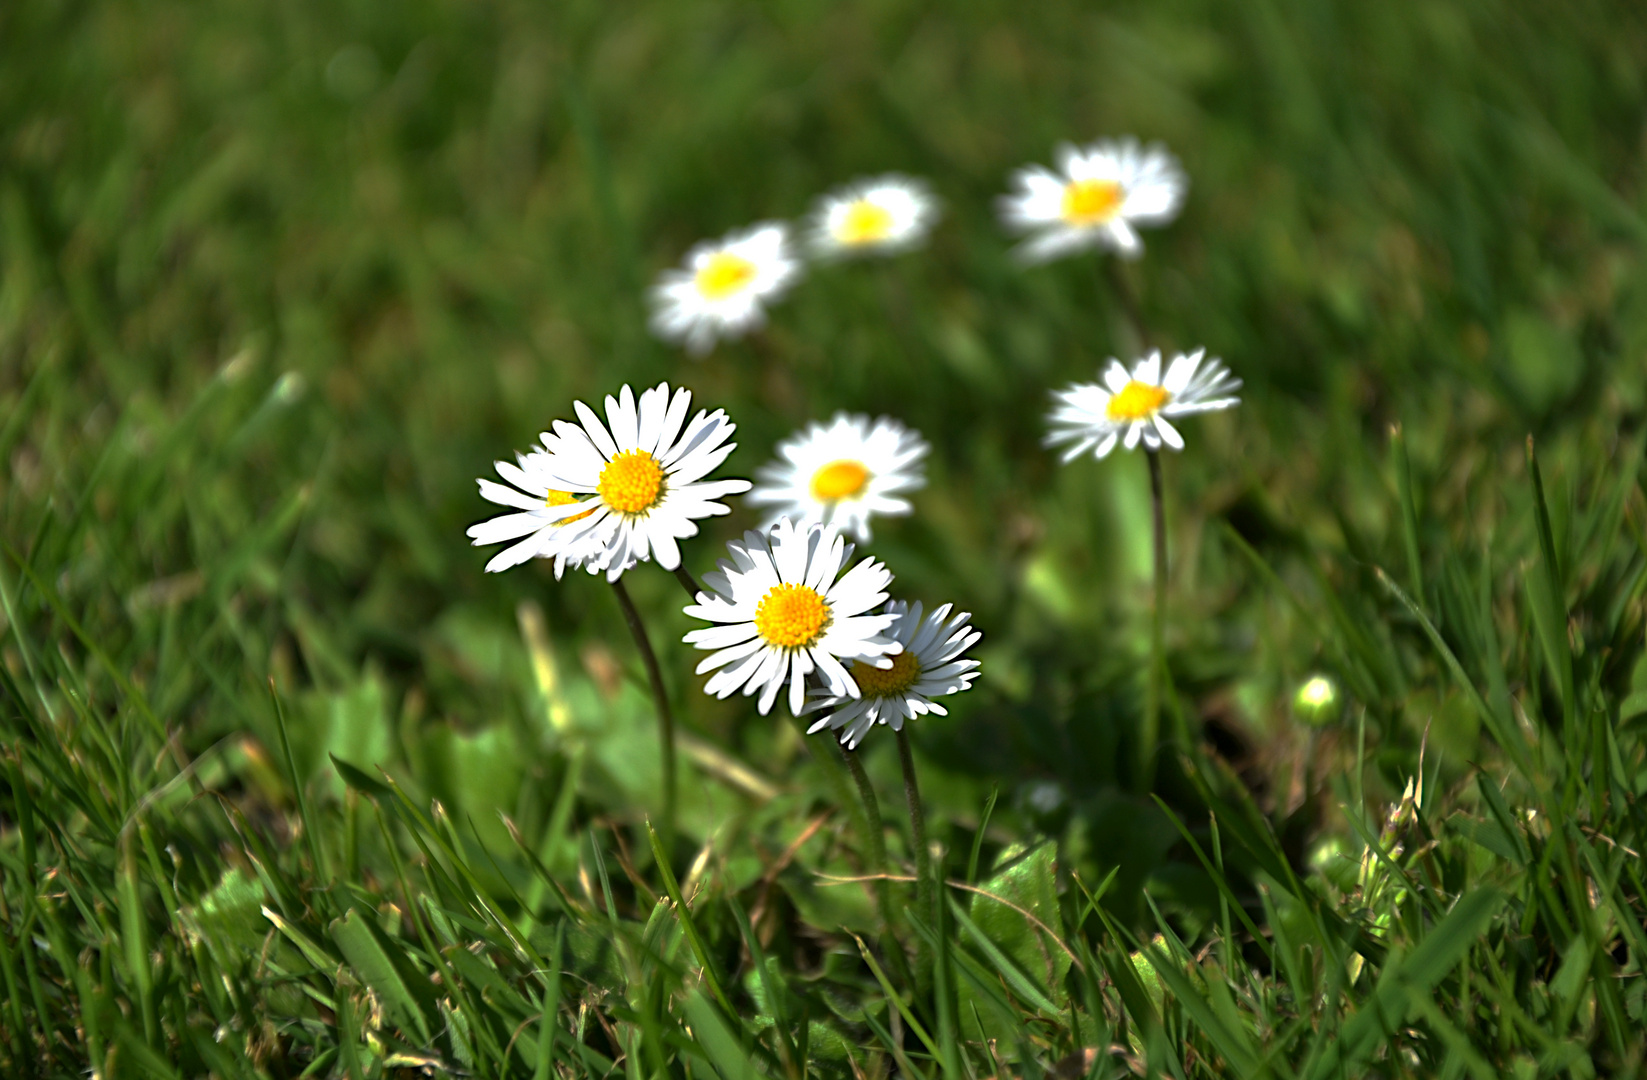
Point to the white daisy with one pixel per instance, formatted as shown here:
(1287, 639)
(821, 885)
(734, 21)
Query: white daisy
(782, 616)
(720, 290)
(885, 215)
(545, 529)
(929, 667)
(843, 473)
(644, 479)
(1133, 407)
(1094, 199)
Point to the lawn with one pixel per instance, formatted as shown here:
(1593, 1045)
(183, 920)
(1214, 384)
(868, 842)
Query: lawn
(290, 786)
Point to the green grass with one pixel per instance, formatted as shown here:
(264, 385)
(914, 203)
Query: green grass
(288, 786)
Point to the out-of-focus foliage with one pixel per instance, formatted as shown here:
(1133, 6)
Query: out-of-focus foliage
(277, 281)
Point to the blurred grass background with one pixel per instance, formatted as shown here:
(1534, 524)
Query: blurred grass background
(277, 281)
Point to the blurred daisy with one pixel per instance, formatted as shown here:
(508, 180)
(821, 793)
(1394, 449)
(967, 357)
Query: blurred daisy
(544, 527)
(720, 290)
(782, 616)
(1094, 199)
(930, 666)
(884, 216)
(636, 481)
(1135, 406)
(843, 473)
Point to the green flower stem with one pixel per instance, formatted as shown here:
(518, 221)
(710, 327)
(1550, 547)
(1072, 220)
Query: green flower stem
(1157, 638)
(688, 582)
(666, 719)
(924, 897)
(875, 834)
(1116, 278)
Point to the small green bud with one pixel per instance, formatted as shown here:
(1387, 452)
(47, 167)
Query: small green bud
(1317, 702)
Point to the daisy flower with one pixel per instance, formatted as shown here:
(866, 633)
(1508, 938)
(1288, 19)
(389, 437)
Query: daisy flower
(885, 215)
(1094, 199)
(843, 473)
(719, 291)
(930, 666)
(780, 615)
(543, 526)
(1133, 407)
(636, 481)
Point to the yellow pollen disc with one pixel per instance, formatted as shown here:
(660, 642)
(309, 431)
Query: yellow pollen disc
(723, 275)
(1137, 401)
(791, 616)
(887, 682)
(840, 480)
(632, 482)
(1091, 202)
(864, 223)
(565, 498)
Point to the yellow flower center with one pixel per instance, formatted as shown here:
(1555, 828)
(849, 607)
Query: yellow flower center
(791, 616)
(877, 682)
(724, 274)
(864, 223)
(840, 480)
(565, 498)
(1137, 401)
(632, 482)
(1091, 202)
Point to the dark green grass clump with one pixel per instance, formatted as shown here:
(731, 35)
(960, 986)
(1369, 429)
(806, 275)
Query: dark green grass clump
(289, 787)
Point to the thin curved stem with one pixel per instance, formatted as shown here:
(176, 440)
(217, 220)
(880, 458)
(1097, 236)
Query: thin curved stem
(1157, 638)
(924, 894)
(875, 832)
(688, 582)
(666, 719)
(1122, 289)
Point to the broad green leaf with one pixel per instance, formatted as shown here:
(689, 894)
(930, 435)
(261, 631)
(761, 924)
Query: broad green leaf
(229, 919)
(719, 1041)
(383, 966)
(1017, 909)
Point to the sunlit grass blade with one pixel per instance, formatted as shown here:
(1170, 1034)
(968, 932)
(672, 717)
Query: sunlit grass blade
(1405, 978)
(700, 948)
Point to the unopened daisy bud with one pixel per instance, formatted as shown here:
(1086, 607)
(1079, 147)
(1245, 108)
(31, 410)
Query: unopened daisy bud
(842, 473)
(1317, 702)
(883, 216)
(721, 289)
(1094, 199)
(930, 666)
(1133, 407)
(781, 615)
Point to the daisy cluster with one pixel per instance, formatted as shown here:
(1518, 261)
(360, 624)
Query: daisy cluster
(723, 286)
(1097, 196)
(789, 614)
(786, 613)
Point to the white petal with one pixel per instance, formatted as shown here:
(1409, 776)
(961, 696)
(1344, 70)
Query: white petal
(506, 496)
(1169, 434)
(594, 429)
(620, 414)
(505, 527)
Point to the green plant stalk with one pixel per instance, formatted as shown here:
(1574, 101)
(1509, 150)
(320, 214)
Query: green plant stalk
(134, 937)
(694, 937)
(688, 582)
(666, 719)
(1155, 692)
(924, 897)
(18, 1033)
(315, 851)
(1116, 279)
(1409, 510)
(875, 834)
